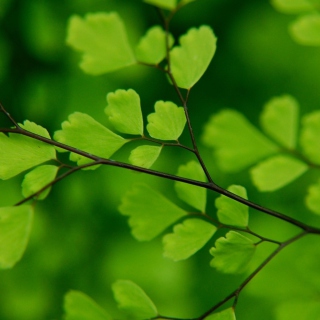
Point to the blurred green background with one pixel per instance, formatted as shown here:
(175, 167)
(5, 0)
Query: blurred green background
(79, 241)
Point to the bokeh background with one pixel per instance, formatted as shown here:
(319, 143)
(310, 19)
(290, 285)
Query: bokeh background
(79, 240)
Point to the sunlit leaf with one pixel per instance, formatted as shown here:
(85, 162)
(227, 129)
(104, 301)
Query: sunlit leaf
(233, 253)
(152, 48)
(103, 40)
(303, 309)
(86, 134)
(15, 227)
(292, 6)
(133, 300)
(227, 314)
(187, 238)
(149, 212)
(19, 153)
(313, 198)
(165, 4)
(237, 143)
(124, 111)
(37, 179)
(310, 136)
(306, 30)
(276, 172)
(191, 59)
(279, 119)
(168, 122)
(193, 195)
(144, 156)
(78, 306)
(231, 212)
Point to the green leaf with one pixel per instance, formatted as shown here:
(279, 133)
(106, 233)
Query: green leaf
(144, 156)
(276, 172)
(306, 30)
(86, 134)
(233, 253)
(37, 179)
(193, 195)
(237, 143)
(303, 309)
(191, 59)
(124, 111)
(227, 314)
(187, 238)
(313, 198)
(15, 227)
(231, 212)
(168, 122)
(20, 153)
(292, 6)
(103, 40)
(78, 306)
(149, 211)
(133, 300)
(279, 120)
(151, 48)
(164, 4)
(309, 138)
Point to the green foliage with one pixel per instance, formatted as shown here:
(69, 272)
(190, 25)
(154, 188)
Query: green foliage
(133, 300)
(313, 198)
(227, 314)
(232, 254)
(231, 212)
(237, 144)
(144, 156)
(191, 59)
(187, 238)
(83, 132)
(150, 213)
(103, 40)
(152, 47)
(168, 121)
(196, 197)
(124, 111)
(20, 153)
(78, 306)
(15, 226)
(38, 178)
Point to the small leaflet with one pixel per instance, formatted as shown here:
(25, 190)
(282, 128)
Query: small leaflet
(102, 39)
(15, 227)
(306, 30)
(124, 111)
(20, 153)
(144, 156)
(152, 47)
(193, 195)
(232, 253)
(133, 300)
(231, 212)
(313, 198)
(236, 142)
(309, 138)
(36, 179)
(277, 172)
(290, 6)
(227, 314)
(168, 122)
(79, 306)
(164, 4)
(86, 134)
(187, 238)
(150, 213)
(279, 120)
(191, 59)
